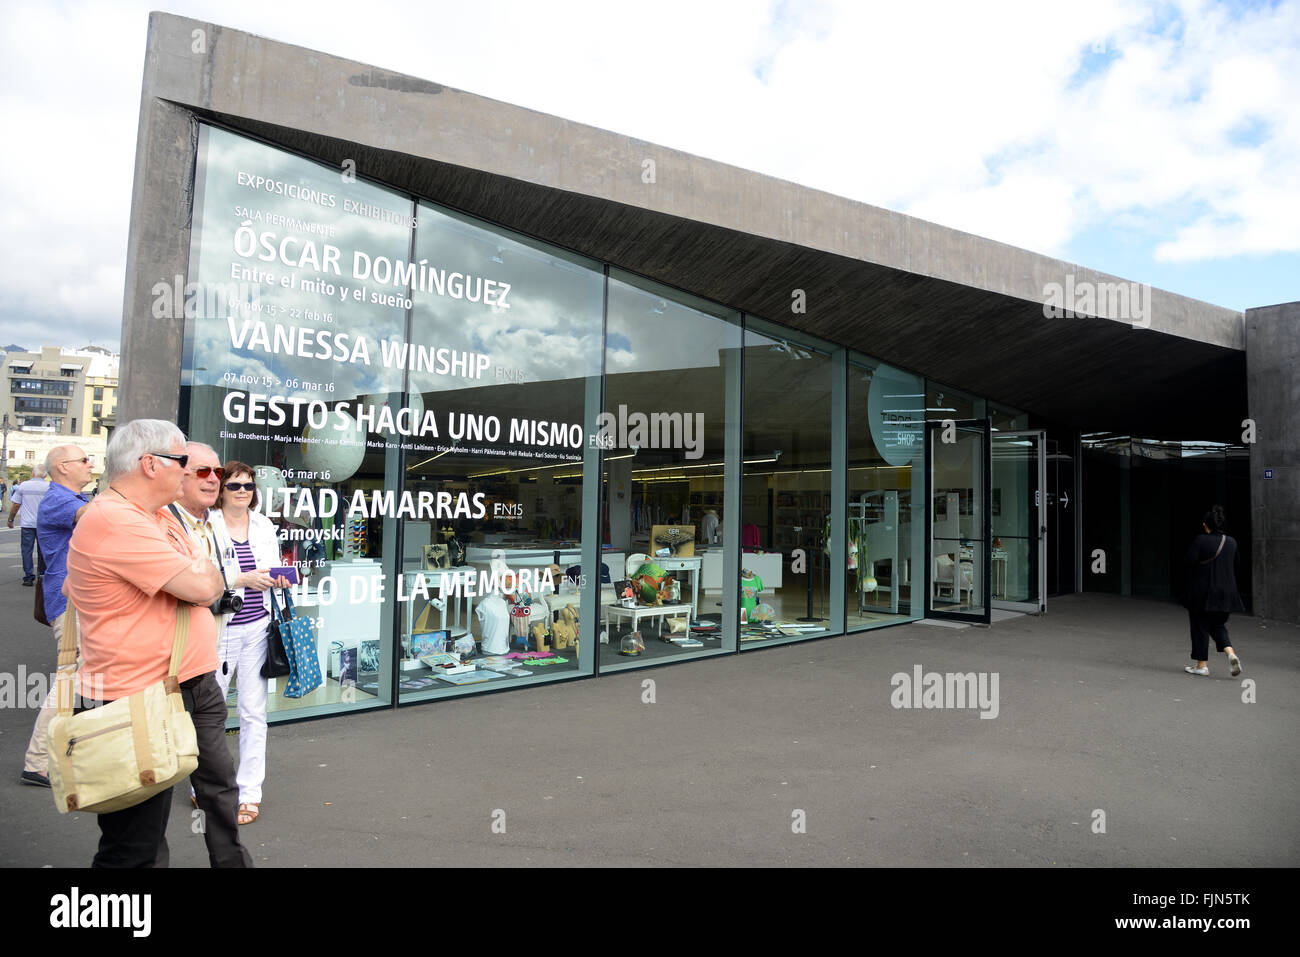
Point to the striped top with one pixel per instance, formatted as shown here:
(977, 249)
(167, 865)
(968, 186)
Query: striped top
(254, 600)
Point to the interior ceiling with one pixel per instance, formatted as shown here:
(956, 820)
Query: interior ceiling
(1091, 374)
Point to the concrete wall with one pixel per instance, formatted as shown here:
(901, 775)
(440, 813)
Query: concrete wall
(249, 79)
(1273, 383)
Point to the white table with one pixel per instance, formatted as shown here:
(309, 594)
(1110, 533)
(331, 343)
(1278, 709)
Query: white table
(691, 565)
(614, 613)
(457, 578)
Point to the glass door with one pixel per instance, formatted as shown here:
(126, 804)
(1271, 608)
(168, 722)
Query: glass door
(1018, 556)
(1060, 520)
(958, 552)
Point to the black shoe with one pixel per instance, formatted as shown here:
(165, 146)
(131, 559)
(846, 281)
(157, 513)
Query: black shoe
(29, 582)
(35, 778)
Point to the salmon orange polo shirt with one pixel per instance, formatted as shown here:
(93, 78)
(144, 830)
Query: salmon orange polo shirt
(119, 558)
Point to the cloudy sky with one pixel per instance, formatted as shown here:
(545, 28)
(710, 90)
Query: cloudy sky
(1156, 141)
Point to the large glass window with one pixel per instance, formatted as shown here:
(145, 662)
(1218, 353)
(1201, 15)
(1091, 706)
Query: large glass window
(669, 361)
(292, 320)
(786, 578)
(886, 495)
(506, 354)
(432, 405)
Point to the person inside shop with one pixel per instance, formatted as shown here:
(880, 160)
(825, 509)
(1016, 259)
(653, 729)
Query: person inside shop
(253, 540)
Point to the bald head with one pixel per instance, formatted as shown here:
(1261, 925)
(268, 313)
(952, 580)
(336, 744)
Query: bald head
(69, 466)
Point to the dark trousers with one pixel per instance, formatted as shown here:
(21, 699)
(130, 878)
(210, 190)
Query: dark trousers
(214, 779)
(27, 545)
(1204, 625)
(137, 836)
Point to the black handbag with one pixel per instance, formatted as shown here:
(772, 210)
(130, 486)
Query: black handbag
(39, 611)
(277, 661)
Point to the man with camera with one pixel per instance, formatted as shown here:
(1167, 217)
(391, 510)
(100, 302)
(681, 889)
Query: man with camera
(200, 490)
(131, 570)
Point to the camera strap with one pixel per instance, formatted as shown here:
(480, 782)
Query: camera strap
(210, 536)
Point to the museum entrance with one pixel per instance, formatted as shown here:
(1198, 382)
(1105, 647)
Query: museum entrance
(1018, 515)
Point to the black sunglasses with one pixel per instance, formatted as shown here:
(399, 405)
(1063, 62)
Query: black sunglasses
(241, 486)
(203, 471)
(182, 460)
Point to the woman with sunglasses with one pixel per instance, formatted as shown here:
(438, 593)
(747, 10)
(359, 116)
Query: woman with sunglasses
(251, 537)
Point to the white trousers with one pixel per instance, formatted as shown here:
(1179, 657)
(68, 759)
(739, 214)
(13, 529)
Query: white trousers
(242, 650)
(37, 756)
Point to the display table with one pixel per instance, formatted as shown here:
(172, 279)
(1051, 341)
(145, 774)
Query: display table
(691, 565)
(616, 613)
(456, 577)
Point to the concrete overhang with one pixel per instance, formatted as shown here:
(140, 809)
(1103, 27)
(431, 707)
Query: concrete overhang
(954, 307)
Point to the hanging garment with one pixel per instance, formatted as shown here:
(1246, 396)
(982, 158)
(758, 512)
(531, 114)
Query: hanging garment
(709, 527)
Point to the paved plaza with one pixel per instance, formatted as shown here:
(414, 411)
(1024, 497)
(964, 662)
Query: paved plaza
(1094, 713)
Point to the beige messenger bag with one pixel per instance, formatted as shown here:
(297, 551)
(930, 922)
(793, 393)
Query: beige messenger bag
(125, 752)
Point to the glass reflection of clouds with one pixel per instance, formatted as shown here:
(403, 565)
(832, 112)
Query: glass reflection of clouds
(226, 203)
(549, 328)
(649, 330)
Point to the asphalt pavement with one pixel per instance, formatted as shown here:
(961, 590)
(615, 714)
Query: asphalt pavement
(1102, 753)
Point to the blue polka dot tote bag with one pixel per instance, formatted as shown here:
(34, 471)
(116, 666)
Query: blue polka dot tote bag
(299, 636)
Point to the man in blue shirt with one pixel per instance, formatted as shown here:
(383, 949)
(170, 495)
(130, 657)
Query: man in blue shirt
(70, 470)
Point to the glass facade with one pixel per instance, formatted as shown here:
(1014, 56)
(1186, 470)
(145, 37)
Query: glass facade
(496, 462)
(787, 569)
(670, 362)
(885, 522)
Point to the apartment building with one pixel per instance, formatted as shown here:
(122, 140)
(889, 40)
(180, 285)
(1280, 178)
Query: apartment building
(60, 391)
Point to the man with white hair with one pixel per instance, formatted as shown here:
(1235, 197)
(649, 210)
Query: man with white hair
(70, 470)
(132, 569)
(27, 496)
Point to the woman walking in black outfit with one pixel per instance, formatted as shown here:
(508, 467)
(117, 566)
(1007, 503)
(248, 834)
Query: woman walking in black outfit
(1212, 592)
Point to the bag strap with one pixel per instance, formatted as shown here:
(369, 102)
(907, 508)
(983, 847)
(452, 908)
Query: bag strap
(68, 654)
(184, 612)
(67, 659)
(210, 536)
(278, 614)
(1222, 539)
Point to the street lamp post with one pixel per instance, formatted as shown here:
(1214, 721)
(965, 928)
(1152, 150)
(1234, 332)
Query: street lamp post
(6, 428)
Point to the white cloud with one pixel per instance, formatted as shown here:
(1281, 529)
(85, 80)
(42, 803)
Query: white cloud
(967, 114)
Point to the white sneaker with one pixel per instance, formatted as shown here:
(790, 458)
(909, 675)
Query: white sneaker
(1197, 671)
(1235, 663)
